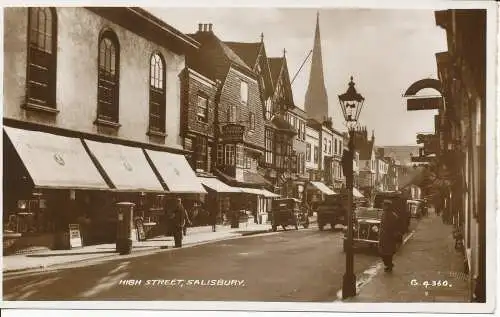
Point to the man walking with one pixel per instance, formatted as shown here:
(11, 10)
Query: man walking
(389, 233)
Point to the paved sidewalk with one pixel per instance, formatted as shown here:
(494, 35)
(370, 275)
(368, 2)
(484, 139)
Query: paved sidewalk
(427, 256)
(197, 235)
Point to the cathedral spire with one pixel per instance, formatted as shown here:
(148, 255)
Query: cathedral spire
(316, 100)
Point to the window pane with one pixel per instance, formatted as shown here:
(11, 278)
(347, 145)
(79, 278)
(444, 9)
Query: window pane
(244, 92)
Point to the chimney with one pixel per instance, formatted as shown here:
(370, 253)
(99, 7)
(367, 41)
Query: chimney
(199, 27)
(210, 27)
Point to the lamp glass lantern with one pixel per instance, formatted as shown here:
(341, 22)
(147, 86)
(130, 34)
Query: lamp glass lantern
(351, 103)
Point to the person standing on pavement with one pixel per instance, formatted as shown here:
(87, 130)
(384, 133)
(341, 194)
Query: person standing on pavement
(389, 233)
(180, 219)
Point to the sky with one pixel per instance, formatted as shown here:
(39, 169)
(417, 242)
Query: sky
(385, 50)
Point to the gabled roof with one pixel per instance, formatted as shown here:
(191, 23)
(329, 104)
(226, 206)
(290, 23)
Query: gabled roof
(275, 64)
(214, 57)
(248, 52)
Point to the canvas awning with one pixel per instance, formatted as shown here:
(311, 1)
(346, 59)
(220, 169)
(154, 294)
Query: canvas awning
(356, 193)
(323, 188)
(55, 161)
(218, 186)
(260, 192)
(126, 167)
(176, 172)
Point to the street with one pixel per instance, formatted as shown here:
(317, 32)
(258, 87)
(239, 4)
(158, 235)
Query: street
(304, 265)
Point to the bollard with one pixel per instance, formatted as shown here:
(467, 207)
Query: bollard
(125, 211)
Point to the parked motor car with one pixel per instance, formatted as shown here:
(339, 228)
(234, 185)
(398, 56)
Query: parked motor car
(415, 208)
(366, 227)
(332, 211)
(288, 212)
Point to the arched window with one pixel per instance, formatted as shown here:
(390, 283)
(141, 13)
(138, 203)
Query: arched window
(108, 77)
(42, 57)
(157, 94)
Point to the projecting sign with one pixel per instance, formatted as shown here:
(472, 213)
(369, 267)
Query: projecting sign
(430, 103)
(233, 132)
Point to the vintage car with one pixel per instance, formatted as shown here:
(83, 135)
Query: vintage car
(366, 227)
(288, 212)
(332, 211)
(415, 208)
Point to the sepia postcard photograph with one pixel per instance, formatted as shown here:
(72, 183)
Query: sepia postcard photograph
(253, 156)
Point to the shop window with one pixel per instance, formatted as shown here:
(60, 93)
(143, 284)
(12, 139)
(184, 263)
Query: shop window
(42, 56)
(108, 77)
(32, 216)
(157, 94)
(202, 109)
(248, 162)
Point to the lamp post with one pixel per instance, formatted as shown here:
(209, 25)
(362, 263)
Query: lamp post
(351, 103)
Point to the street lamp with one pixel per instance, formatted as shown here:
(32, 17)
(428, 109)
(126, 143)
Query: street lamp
(351, 103)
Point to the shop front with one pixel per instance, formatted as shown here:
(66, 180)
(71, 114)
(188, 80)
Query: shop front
(132, 180)
(259, 202)
(50, 185)
(218, 198)
(316, 192)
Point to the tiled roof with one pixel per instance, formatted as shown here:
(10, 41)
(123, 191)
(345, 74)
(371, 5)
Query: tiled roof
(248, 52)
(214, 56)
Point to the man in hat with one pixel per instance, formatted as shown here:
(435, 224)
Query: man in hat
(180, 217)
(388, 235)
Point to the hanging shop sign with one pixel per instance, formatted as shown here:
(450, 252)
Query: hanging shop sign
(233, 133)
(75, 238)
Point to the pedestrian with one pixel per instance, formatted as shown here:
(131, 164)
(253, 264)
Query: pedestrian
(213, 217)
(180, 219)
(389, 234)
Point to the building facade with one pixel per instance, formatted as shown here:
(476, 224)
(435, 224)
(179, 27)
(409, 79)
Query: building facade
(91, 102)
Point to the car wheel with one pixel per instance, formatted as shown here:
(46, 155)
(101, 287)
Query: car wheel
(275, 228)
(320, 226)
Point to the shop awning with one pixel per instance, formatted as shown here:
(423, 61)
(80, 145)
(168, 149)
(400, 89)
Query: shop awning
(126, 167)
(356, 193)
(323, 188)
(55, 161)
(176, 172)
(260, 192)
(218, 186)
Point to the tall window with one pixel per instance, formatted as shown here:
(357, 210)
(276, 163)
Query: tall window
(108, 77)
(316, 154)
(324, 145)
(251, 121)
(269, 110)
(201, 155)
(244, 92)
(42, 56)
(232, 113)
(230, 155)
(240, 156)
(330, 146)
(202, 109)
(157, 94)
(308, 152)
(340, 147)
(336, 146)
(220, 154)
(269, 143)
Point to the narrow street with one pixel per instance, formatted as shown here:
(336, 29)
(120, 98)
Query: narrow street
(304, 265)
